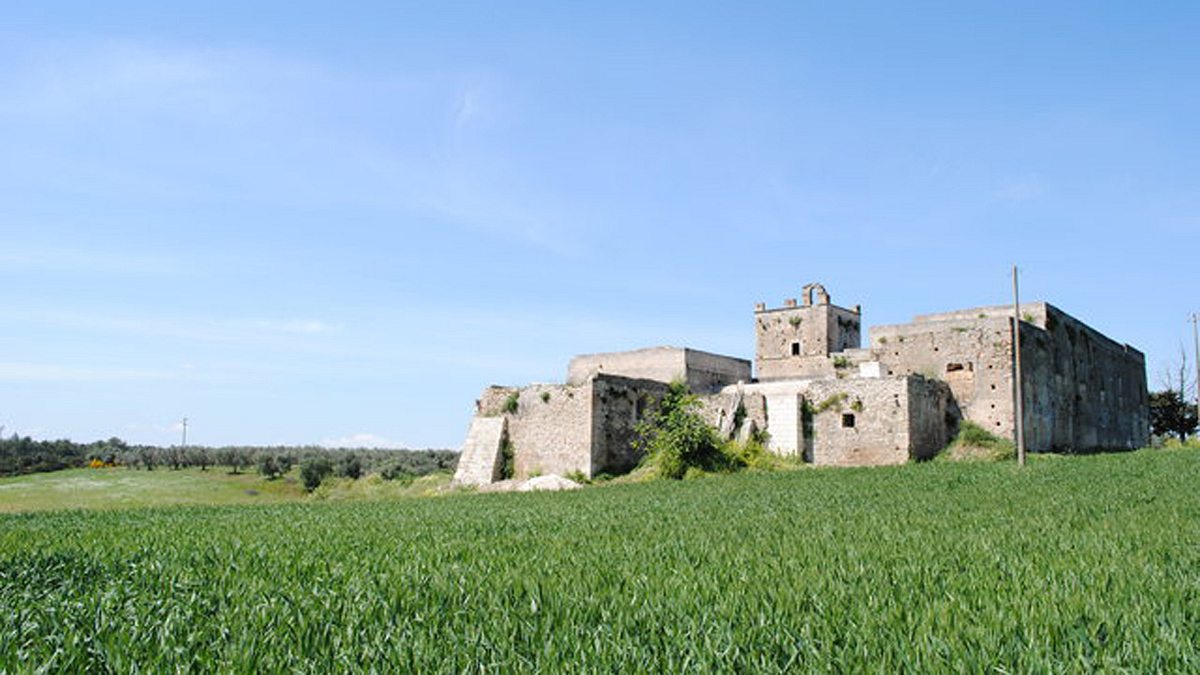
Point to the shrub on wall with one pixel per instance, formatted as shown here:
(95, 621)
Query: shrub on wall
(676, 438)
(975, 442)
(512, 403)
(506, 459)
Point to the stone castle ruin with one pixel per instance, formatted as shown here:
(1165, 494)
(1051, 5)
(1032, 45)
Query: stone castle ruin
(819, 395)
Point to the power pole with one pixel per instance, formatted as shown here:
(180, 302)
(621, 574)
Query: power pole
(184, 443)
(1196, 353)
(1019, 393)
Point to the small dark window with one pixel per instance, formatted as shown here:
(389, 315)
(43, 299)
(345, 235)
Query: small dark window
(848, 420)
(795, 349)
(953, 367)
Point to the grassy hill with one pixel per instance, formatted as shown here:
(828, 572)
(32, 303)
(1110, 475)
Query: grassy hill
(1074, 564)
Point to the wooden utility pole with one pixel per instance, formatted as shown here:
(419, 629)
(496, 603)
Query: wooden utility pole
(1196, 354)
(1018, 393)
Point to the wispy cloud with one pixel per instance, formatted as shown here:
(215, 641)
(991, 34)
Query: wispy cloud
(195, 327)
(1021, 188)
(23, 258)
(468, 108)
(405, 141)
(64, 79)
(362, 440)
(301, 327)
(16, 371)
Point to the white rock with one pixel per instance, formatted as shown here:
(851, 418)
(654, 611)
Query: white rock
(551, 482)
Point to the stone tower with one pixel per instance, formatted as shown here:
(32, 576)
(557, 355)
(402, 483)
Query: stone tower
(796, 340)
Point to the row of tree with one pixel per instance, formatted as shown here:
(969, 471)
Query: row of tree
(21, 455)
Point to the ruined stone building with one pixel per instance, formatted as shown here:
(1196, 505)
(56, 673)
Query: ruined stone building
(819, 395)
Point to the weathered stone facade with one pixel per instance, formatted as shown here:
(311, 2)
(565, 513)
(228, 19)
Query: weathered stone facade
(703, 372)
(563, 428)
(796, 340)
(820, 396)
(1082, 390)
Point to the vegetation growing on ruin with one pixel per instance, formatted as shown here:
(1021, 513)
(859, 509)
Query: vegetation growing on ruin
(512, 403)
(676, 438)
(739, 416)
(679, 443)
(507, 453)
(841, 362)
(1088, 564)
(974, 442)
(835, 400)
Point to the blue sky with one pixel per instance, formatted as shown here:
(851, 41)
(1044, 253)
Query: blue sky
(320, 223)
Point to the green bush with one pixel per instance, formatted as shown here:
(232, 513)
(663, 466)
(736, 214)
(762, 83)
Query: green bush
(579, 477)
(753, 453)
(972, 436)
(268, 467)
(507, 452)
(314, 471)
(512, 403)
(397, 471)
(350, 466)
(677, 438)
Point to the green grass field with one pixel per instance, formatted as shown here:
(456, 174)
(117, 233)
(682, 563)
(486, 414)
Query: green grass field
(119, 488)
(1074, 564)
(123, 488)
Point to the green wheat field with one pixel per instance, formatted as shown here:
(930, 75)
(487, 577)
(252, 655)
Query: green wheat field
(1074, 564)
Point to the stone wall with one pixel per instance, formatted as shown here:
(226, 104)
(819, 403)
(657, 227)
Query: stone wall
(777, 410)
(720, 410)
(933, 417)
(707, 372)
(820, 396)
(619, 404)
(1083, 391)
(551, 430)
(702, 371)
(561, 429)
(662, 364)
(860, 422)
(480, 458)
(795, 341)
(972, 354)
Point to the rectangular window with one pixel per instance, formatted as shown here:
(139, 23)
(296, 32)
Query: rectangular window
(795, 349)
(848, 420)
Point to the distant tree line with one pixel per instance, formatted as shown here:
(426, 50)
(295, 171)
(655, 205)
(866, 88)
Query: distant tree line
(22, 455)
